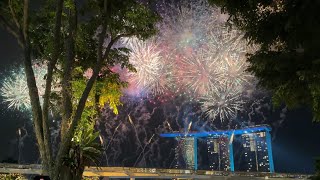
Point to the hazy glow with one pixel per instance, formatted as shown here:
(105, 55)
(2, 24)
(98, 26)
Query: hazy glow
(196, 55)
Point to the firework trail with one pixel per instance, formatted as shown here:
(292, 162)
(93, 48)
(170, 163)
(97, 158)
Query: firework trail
(136, 134)
(112, 136)
(189, 127)
(143, 152)
(132, 132)
(140, 132)
(169, 126)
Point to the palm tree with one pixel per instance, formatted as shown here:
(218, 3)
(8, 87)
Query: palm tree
(85, 151)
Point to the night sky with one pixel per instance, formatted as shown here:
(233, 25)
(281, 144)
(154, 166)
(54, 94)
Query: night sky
(295, 146)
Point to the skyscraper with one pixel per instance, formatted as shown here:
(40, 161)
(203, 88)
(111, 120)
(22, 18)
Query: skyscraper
(262, 152)
(185, 153)
(218, 153)
(255, 152)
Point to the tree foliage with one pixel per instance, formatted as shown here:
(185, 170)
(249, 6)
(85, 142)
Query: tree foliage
(288, 62)
(74, 37)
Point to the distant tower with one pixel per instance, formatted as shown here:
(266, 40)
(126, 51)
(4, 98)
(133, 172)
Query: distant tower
(218, 153)
(213, 153)
(262, 152)
(256, 152)
(249, 145)
(186, 153)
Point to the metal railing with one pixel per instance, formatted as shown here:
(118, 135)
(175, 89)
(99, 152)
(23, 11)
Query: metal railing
(125, 172)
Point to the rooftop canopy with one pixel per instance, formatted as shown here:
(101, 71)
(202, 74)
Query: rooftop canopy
(247, 130)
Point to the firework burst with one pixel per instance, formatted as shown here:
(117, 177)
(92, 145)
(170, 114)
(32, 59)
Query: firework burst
(15, 89)
(195, 55)
(228, 49)
(150, 77)
(185, 25)
(197, 74)
(222, 103)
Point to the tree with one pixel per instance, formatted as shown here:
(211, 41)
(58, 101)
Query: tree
(287, 31)
(70, 46)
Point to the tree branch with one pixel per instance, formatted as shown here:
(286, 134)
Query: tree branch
(13, 14)
(51, 66)
(11, 29)
(67, 71)
(26, 20)
(31, 82)
(114, 41)
(64, 147)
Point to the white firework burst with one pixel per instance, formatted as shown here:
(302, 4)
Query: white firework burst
(186, 24)
(222, 103)
(15, 92)
(150, 77)
(197, 74)
(15, 89)
(229, 49)
(234, 72)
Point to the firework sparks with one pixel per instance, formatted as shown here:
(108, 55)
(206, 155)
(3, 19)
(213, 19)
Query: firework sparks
(223, 103)
(15, 89)
(197, 74)
(15, 92)
(185, 25)
(206, 53)
(146, 58)
(229, 50)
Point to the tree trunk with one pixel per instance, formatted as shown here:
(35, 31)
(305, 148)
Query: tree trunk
(67, 69)
(31, 82)
(46, 97)
(66, 141)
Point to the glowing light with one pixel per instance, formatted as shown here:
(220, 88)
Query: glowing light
(15, 89)
(150, 76)
(222, 103)
(210, 62)
(197, 74)
(196, 56)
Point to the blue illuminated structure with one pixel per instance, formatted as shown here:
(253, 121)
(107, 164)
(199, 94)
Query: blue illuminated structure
(230, 134)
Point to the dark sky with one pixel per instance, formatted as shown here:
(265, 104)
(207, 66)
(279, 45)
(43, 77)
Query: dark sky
(296, 145)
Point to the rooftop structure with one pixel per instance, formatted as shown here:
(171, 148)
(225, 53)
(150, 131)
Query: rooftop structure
(247, 130)
(253, 131)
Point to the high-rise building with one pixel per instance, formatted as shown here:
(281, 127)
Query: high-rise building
(249, 147)
(262, 152)
(255, 152)
(218, 153)
(185, 157)
(213, 153)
